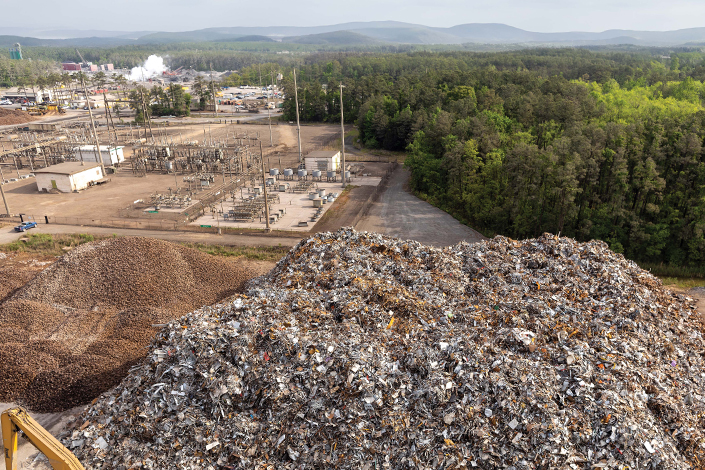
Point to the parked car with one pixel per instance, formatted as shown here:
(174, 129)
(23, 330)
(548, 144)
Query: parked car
(5, 102)
(12, 180)
(24, 177)
(25, 226)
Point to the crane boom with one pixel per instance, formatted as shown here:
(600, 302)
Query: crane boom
(83, 61)
(15, 420)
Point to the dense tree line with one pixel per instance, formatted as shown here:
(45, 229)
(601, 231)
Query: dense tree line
(24, 72)
(591, 145)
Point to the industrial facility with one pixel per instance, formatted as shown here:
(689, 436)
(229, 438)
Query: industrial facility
(16, 51)
(323, 160)
(68, 177)
(110, 155)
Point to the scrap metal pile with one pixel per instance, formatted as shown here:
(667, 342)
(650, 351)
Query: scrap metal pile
(367, 352)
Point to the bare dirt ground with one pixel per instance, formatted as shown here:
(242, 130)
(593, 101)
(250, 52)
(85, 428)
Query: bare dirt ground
(104, 201)
(401, 214)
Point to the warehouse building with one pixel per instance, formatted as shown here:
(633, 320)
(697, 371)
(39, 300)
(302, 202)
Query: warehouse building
(68, 177)
(111, 156)
(71, 66)
(324, 160)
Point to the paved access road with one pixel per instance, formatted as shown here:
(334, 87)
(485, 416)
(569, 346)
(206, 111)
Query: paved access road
(401, 214)
(8, 235)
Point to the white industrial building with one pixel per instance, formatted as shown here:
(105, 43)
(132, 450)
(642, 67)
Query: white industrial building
(324, 160)
(111, 155)
(68, 177)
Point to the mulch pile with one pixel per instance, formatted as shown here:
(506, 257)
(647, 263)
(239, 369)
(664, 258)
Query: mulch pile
(76, 328)
(14, 116)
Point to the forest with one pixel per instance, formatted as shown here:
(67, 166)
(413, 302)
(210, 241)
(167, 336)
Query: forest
(590, 145)
(593, 144)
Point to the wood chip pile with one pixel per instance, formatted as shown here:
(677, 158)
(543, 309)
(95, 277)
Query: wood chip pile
(76, 329)
(14, 116)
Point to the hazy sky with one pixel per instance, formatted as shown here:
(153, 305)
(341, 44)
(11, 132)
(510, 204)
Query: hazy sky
(533, 15)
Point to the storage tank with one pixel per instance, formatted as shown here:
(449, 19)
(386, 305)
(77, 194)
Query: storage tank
(321, 192)
(316, 173)
(302, 173)
(312, 196)
(347, 176)
(330, 174)
(274, 172)
(288, 172)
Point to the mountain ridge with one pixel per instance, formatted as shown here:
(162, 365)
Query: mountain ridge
(370, 32)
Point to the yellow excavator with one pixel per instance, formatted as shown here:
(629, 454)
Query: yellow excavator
(16, 420)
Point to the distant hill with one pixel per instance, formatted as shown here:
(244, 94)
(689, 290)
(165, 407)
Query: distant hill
(361, 33)
(336, 38)
(185, 36)
(7, 41)
(253, 38)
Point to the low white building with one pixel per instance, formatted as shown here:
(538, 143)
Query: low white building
(68, 177)
(324, 160)
(111, 155)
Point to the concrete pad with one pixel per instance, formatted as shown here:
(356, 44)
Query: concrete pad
(297, 207)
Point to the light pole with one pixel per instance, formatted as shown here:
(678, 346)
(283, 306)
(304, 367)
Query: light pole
(298, 126)
(264, 190)
(342, 132)
(269, 111)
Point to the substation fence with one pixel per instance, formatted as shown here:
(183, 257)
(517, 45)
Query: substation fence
(374, 197)
(99, 222)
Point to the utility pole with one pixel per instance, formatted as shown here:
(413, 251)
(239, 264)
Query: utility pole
(110, 123)
(269, 115)
(298, 126)
(264, 189)
(215, 106)
(95, 135)
(2, 191)
(342, 132)
(146, 116)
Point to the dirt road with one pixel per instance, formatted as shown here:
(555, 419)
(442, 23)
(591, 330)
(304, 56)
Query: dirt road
(8, 235)
(401, 214)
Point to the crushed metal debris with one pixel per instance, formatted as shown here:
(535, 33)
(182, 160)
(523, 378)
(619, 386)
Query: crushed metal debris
(367, 352)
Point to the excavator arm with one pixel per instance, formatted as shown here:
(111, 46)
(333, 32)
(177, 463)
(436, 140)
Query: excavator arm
(15, 420)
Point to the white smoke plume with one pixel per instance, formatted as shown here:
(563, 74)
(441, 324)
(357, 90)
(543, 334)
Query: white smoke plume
(152, 67)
